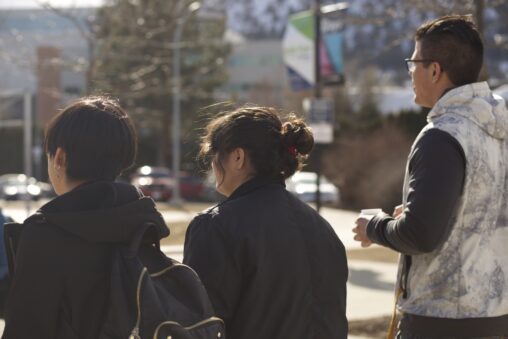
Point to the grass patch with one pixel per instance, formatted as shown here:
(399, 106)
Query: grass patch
(376, 253)
(177, 235)
(372, 328)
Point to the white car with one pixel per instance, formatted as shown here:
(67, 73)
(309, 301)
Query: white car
(20, 187)
(303, 185)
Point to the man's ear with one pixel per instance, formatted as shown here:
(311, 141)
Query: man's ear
(437, 71)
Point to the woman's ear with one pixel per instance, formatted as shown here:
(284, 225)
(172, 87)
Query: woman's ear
(239, 158)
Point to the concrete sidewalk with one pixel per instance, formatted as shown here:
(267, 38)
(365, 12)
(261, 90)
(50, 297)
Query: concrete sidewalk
(371, 284)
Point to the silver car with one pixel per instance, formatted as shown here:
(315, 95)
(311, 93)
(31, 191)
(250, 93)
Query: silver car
(303, 185)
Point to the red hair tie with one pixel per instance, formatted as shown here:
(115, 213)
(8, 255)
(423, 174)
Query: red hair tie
(292, 151)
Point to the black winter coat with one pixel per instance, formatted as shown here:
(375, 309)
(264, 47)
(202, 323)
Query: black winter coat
(60, 284)
(272, 266)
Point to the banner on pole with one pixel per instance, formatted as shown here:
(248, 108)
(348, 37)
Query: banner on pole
(299, 53)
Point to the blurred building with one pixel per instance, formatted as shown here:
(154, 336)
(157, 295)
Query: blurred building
(45, 54)
(11, 108)
(256, 71)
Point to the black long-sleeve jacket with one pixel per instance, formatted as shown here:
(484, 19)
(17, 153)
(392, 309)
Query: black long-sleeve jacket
(272, 266)
(436, 177)
(62, 264)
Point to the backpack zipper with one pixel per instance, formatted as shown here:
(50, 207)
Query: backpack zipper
(191, 327)
(135, 330)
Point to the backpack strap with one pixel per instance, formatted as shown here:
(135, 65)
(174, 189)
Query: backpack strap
(12, 233)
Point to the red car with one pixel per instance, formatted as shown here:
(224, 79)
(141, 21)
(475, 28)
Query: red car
(158, 183)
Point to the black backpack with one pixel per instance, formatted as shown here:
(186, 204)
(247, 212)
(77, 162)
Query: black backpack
(153, 296)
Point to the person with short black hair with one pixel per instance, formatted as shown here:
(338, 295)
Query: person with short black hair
(61, 266)
(453, 224)
(95, 139)
(272, 266)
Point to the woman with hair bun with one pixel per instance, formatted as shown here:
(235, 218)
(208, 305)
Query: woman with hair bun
(272, 266)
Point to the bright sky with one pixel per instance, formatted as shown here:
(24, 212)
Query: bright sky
(59, 3)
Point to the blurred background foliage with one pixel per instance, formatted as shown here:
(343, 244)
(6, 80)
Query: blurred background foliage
(130, 48)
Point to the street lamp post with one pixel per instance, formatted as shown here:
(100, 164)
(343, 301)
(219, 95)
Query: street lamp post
(317, 92)
(176, 199)
(28, 147)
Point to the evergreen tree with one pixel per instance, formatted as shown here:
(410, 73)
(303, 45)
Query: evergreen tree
(134, 62)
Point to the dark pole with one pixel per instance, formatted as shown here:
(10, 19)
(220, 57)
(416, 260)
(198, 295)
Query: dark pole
(317, 92)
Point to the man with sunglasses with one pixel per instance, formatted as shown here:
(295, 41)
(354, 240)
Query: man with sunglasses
(452, 228)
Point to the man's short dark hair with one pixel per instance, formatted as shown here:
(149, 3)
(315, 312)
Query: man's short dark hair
(98, 138)
(455, 43)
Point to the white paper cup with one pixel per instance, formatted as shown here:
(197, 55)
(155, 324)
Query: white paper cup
(370, 212)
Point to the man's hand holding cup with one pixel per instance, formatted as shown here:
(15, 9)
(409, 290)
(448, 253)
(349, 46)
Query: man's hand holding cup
(361, 225)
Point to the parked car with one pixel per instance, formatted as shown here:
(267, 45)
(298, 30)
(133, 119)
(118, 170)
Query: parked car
(191, 186)
(155, 182)
(210, 193)
(158, 183)
(19, 187)
(303, 185)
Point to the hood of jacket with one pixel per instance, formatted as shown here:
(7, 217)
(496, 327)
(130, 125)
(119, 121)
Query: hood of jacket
(477, 103)
(103, 212)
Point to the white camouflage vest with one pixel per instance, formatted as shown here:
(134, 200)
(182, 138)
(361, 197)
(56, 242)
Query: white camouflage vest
(467, 276)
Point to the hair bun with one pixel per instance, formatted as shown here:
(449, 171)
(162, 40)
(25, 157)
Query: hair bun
(295, 133)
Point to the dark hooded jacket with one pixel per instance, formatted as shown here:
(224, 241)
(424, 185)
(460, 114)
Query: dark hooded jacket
(60, 284)
(272, 266)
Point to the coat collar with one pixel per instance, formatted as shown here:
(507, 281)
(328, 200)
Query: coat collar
(253, 184)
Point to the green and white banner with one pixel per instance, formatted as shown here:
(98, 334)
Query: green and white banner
(299, 52)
